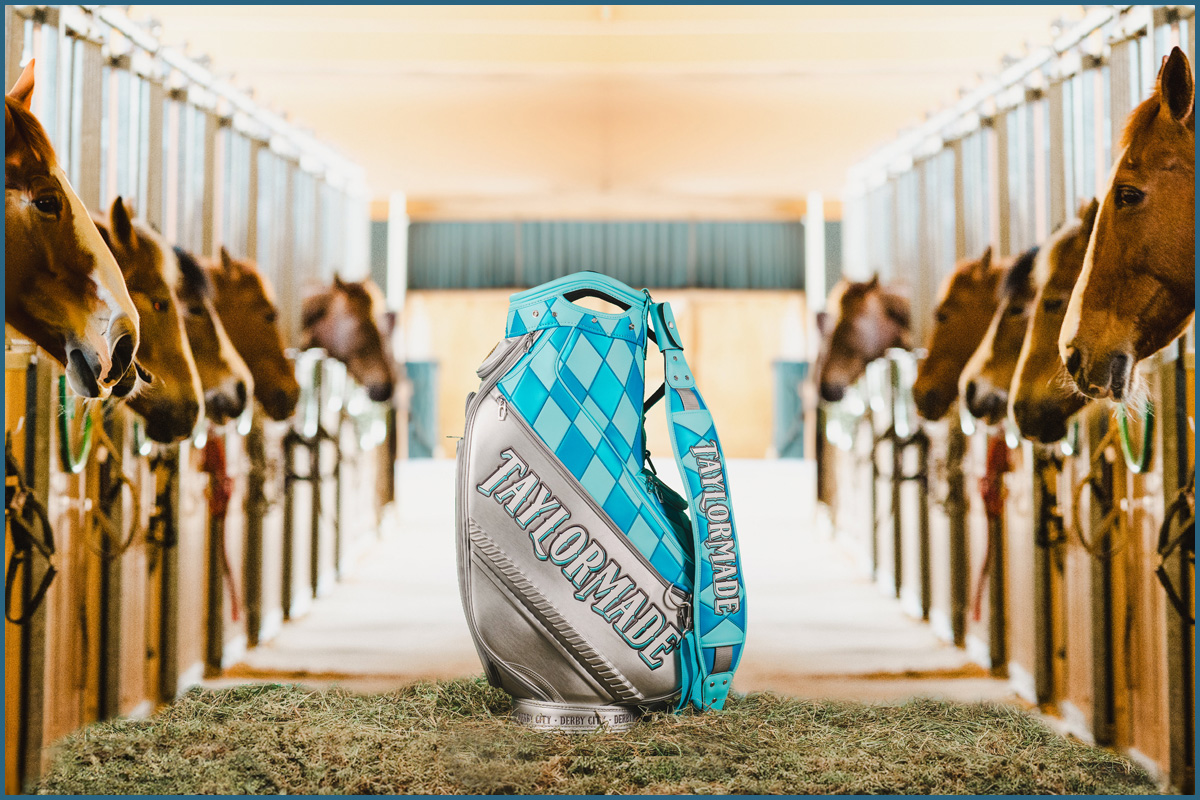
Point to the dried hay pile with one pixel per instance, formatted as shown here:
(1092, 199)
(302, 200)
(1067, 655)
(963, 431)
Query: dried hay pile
(455, 737)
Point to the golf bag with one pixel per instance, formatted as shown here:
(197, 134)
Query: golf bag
(592, 590)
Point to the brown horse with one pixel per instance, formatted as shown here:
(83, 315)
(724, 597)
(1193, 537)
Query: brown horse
(63, 288)
(171, 404)
(342, 320)
(224, 376)
(868, 319)
(985, 380)
(1042, 396)
(968, 300)
(1137, 292)
(244, 302)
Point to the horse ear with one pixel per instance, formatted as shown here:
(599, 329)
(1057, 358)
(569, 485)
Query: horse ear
(1176, 88)
(823, 323)
(228, 264)
(338, 283)
(22, 90)
(1087, 213)
(985, 263)
(122, 226)
(873, 283)
(387, 323)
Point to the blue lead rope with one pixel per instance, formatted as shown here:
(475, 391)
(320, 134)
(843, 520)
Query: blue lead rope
(712, 648)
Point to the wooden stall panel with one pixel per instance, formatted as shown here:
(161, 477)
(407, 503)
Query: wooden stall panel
(272, 533)
(1022, 573)
(190, 570)
(980, 642)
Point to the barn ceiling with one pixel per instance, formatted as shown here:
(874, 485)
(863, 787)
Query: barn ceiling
(606, 111)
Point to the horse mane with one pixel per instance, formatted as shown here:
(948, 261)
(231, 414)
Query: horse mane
(1017, 276)
(27, 127)
(195, 278)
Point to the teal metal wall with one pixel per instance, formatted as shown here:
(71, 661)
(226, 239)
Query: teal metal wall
(719, 255)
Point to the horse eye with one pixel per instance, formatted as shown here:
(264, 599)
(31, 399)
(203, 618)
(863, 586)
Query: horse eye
(1053, 305)
(50, 204)
(1128, 196)
(159, 305)
(1015, 310)
(941, 317)
(196, 311)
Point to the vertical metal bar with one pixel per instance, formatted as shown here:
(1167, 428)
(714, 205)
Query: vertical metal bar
(1003, 187)
(1058, 169)
(208, 234)
(960, 201)
(252, 201)
(956, 512)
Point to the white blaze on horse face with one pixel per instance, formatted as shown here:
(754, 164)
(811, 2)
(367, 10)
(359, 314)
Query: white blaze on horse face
(110, 284)
(1070, 326)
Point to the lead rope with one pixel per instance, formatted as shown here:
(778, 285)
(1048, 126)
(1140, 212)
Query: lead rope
(97, 519)
(1103, 455)
(991, 489)
(29, 525)
(220, 489)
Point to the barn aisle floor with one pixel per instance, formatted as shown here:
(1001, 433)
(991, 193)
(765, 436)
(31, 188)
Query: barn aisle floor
(819, 628)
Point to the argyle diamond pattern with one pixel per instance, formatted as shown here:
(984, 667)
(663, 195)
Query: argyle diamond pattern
(581, 391)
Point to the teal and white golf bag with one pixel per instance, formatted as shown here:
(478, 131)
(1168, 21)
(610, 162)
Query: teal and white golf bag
(592, 590)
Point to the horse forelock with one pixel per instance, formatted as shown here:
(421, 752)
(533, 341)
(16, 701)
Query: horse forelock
(1016, 279)
(194, 278)
(32, 135)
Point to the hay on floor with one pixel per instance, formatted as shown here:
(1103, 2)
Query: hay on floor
(455, 737)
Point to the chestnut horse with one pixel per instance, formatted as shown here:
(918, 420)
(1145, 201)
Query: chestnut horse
(63, 288)
(244, 302)
(985, 380)
(171, 404)
(1137, 292)
(342, 320)
(224, 376)
(968, 300)
(868, 319)
(1042, 396)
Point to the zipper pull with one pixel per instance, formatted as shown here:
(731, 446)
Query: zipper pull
(502, 409)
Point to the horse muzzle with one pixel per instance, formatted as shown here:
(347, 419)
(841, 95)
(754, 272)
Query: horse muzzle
(985, 402)
(1105, 376)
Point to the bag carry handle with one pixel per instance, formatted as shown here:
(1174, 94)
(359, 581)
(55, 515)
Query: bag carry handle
(712, 645)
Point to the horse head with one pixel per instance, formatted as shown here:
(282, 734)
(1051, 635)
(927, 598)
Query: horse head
(1042, 396)
(968, 300)
(63, 288)
(224, 377)
(867, 320)
(1137, 292)
(243, 300)
(342, 319)
(985, 380)
(171, 404)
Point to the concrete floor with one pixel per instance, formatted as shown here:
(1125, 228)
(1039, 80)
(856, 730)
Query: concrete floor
(818, 627)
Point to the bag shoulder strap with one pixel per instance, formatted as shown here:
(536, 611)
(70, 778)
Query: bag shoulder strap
(712, 647)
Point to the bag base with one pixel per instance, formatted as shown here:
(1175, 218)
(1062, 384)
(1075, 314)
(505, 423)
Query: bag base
(573, 717)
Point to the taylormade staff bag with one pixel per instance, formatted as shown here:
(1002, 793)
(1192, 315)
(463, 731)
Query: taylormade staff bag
(592, 590)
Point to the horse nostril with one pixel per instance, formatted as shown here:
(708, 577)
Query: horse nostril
(1119, 375)
(1074, 358)
(380, 392)
(970, 393)
(122, 357)
(240, 391)
(1019, 409)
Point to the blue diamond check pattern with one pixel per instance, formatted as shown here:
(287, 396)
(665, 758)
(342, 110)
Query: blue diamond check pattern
(581, 391)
